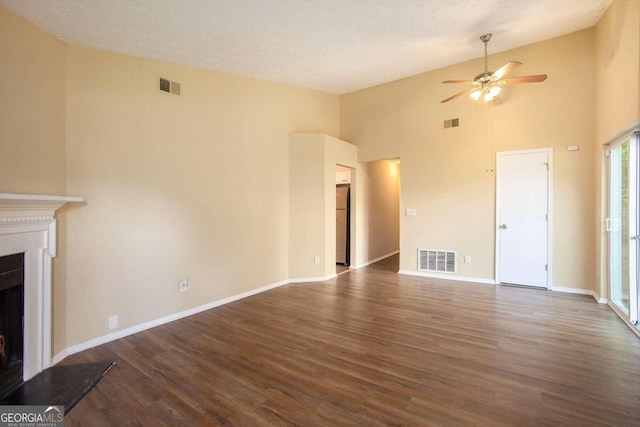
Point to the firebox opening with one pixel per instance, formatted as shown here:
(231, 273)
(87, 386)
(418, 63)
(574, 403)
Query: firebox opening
(11, 322)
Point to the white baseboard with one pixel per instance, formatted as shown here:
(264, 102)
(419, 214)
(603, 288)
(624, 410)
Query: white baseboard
(59, 357)
(380, 258)
(448, 277)
(313, 279)
(579, 291)
(157, 322)
(172, 317)
(493, 282)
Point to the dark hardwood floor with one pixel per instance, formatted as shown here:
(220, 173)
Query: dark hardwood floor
(375, 348)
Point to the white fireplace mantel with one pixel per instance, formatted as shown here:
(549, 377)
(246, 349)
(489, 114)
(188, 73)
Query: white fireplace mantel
(16, 206)
(27, 225)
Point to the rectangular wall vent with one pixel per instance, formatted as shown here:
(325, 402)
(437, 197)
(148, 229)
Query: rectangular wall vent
(452, 123)
(168, 86)
(437, 260)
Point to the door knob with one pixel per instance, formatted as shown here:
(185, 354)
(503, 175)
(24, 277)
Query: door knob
(503, 226)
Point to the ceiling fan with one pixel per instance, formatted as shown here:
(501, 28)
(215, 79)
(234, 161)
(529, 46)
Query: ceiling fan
(488, 85)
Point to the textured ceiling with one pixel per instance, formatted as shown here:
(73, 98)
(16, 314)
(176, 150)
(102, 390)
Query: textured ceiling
(335, 46)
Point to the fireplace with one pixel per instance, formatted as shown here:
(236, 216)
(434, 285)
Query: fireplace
(11, 321)
(27, 240)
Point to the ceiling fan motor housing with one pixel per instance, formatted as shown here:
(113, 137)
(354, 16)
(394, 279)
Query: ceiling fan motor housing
(483, 77)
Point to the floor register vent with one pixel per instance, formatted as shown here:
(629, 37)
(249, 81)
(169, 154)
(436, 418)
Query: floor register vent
(436, 260)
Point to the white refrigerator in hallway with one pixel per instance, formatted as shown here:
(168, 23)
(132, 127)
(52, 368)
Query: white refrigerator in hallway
(342, 224)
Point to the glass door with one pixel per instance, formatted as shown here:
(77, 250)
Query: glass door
(623, 227)
(634, 230)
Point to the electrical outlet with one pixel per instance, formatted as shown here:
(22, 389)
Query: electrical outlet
(184, 284)
(467, 259)
(113, 322)
(316, 259)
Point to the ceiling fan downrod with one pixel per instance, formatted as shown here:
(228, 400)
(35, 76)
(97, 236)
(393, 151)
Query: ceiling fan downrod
(485, 39)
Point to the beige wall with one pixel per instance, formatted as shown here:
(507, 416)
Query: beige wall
(380, 210)
(447, 173)
(374, 205)
(32, 129)
(194, 186)
(617, 69)
(198, 186)
(32, 133)
(338, 152)
(617, 66)
(313, 203)
(307, 206)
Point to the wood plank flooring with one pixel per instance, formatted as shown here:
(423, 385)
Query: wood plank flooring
(374, 348)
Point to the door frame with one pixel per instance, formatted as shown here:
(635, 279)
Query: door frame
(499, 155)
(633, 228)
(630, 318)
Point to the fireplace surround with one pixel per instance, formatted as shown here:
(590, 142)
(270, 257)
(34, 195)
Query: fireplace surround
(11, 326)
(27, 225)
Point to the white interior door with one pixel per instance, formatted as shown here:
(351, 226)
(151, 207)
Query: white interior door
(523, 217)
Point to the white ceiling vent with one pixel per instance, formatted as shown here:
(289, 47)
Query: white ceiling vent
(436, 260)
(168, 86)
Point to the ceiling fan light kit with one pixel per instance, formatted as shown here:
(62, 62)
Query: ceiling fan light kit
(488, 85)
(487, 94)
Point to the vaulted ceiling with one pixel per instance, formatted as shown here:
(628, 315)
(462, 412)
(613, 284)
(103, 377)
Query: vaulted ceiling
(335, 46)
